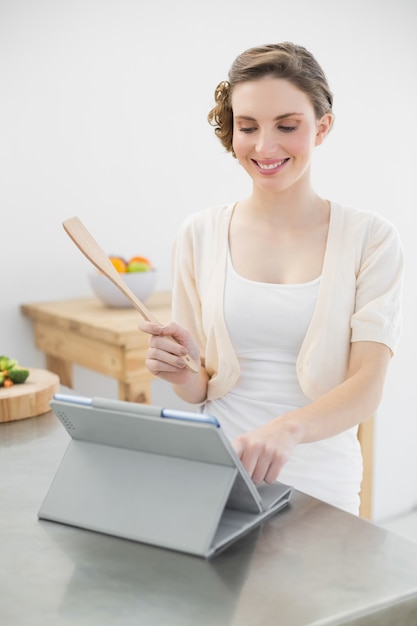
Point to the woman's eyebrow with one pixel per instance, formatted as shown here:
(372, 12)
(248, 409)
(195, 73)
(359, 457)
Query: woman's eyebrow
(276, 119)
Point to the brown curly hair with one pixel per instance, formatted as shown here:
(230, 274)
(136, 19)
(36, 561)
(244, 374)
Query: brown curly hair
(284, 60)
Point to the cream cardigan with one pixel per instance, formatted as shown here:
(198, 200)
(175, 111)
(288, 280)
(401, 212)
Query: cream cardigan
(359, 296)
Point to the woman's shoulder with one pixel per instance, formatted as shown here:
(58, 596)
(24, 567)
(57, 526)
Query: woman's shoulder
(360, 220)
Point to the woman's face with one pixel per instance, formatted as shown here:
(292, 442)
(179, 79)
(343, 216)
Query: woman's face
(275, 131)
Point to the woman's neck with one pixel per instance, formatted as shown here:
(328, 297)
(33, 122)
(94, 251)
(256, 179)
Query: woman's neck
(301, 208)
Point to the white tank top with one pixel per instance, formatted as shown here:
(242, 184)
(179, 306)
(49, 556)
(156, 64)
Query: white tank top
(267, 324)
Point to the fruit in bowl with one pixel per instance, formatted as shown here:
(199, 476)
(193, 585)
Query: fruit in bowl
(137, 272)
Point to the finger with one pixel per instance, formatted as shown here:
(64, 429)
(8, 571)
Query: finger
(151, 328)
(260, 463)
(176, 331)
(249, 457)
(261, 470)
(166, 359)
(178, 334)
(275, 468)
(158, 367)
(241, 452)
(167, 344)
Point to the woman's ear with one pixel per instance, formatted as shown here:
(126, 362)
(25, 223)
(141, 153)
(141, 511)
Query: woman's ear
(323, 127)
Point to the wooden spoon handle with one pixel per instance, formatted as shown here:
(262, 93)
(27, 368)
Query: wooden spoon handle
(96, 255)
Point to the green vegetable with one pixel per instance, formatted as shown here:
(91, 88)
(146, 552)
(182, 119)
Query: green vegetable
(11, 373)
(18, 375)
(6, 363)
(3, 362)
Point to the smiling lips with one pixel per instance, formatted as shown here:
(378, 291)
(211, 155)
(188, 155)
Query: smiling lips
(270, 167)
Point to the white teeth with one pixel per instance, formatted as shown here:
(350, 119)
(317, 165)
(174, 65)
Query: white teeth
(271, 166)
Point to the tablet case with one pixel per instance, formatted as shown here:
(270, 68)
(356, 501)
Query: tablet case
(166, 478)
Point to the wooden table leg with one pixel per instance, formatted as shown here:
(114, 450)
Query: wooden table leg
(135, 391)
(60, 367)
(366, 439)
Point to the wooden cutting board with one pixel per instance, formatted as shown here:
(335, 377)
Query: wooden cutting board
(30, 398)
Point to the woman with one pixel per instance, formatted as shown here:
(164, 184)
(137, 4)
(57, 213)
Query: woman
(290, 302)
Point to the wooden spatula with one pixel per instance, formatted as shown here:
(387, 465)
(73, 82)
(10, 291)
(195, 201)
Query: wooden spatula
(94, 253)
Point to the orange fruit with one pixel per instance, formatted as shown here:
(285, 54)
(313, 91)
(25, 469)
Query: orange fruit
(118, 263)
(139, 259)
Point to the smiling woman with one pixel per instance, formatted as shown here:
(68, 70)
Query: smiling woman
(290, 301)
(275, 131)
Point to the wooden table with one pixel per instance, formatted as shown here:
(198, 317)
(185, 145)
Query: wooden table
(108, 341)
(105, 340)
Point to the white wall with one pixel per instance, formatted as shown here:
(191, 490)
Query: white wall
(103, 110)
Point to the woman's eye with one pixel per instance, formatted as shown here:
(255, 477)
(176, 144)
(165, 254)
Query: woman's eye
(247, 129)
(287, 129)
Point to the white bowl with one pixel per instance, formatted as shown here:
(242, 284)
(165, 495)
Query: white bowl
(141, 283)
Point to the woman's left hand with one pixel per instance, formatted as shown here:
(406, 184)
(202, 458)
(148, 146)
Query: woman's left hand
(265, 450)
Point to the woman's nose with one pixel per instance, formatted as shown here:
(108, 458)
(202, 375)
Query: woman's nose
(267, 143)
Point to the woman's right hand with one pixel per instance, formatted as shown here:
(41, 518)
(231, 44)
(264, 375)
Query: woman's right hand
(168, 345)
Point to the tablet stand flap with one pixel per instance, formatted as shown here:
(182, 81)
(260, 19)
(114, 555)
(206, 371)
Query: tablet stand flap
(165, 501)
(244, 496)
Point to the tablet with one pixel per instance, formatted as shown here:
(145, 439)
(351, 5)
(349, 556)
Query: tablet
(134, 465)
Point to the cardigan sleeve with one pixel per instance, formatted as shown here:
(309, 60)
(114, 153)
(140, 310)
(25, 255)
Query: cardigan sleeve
(360, 297)
(379, 283)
